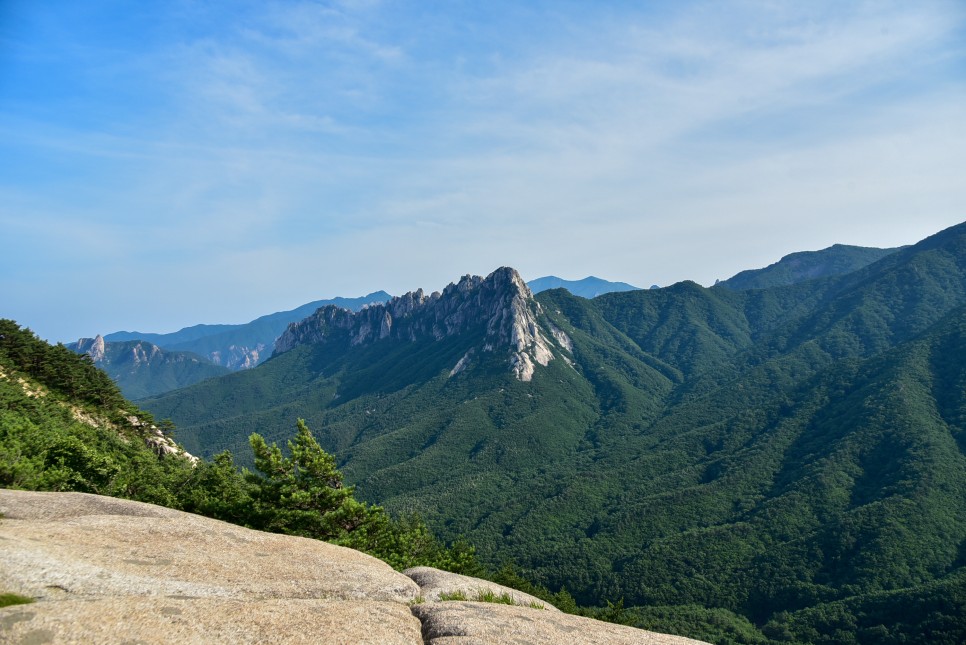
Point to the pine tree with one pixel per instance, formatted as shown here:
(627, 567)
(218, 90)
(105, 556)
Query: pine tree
(303, 494)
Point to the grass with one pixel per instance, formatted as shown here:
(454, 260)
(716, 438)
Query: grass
(487, 595)
(10, 599)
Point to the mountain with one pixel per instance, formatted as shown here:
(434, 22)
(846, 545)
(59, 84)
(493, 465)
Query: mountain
(240, 346)
(64, 425)
(589, 287)
(838, 259)
(499, 311)
(143, 369)
(784, 464)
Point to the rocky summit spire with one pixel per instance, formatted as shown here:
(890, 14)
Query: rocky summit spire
(93, 347)
(499, 307)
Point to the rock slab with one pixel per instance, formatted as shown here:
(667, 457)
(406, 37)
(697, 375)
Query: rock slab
(479, 623)
(106, 570)
(434, 583)
(86, 545)
(154, 620)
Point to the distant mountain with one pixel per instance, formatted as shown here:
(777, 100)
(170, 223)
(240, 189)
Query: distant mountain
(783, 464)
(589, 287)
(143, 369)
(497, 310)
(245, 345)
(807, 265)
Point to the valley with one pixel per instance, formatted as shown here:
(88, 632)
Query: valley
(790, 455)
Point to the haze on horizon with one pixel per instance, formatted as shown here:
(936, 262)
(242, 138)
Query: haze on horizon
(171, 163)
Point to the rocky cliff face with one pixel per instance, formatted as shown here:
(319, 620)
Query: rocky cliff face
(93, 347)
(238, 357)
(132, 354)
(500, 307)
(135, 353)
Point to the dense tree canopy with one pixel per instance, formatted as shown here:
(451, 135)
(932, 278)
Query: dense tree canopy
(789, 459)
(65, 427)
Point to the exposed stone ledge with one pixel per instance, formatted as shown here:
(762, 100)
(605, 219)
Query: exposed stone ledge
(105, 570)
(92, 546)
(474, 623)
(201, 621)
(434, 583)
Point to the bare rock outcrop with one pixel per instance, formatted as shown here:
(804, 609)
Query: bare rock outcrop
(93, 347)
(473, 623)
(238, 357)
(201, 621)
(435, 583)
(155, 439)
(500, 306)
(106, 570)
(124, 548)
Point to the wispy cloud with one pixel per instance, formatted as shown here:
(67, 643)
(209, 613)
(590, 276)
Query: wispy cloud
(260, 151)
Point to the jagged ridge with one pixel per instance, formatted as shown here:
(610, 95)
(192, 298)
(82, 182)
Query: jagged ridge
(502, 301)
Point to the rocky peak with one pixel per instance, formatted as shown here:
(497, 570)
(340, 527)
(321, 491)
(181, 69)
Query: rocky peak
(93, 347)
(145, 352)
(499, 306)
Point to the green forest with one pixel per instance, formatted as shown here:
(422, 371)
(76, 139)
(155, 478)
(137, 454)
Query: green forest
(64, 426)
(776, 464)
(783, 464)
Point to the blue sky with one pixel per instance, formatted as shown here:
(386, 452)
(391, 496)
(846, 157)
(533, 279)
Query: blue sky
(169, 163)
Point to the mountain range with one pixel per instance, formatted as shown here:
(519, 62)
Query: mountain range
(589, 287)
(143, 369)
(66, 432)
(780, 455)
(243, 346)
(145, 364)
(240, 346)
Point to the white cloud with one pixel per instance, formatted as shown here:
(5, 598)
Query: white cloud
(307, 150)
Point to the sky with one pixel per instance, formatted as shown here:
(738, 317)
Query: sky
(168, 163)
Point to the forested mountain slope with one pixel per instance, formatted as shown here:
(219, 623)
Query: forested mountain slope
(838, 259)
(143, 369)
(790, 456)
(64, 425)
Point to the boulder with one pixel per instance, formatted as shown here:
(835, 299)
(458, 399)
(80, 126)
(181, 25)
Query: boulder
(476, 623)
(434, 582)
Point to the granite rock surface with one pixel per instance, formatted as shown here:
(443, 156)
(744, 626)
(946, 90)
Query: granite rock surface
(105, 570)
